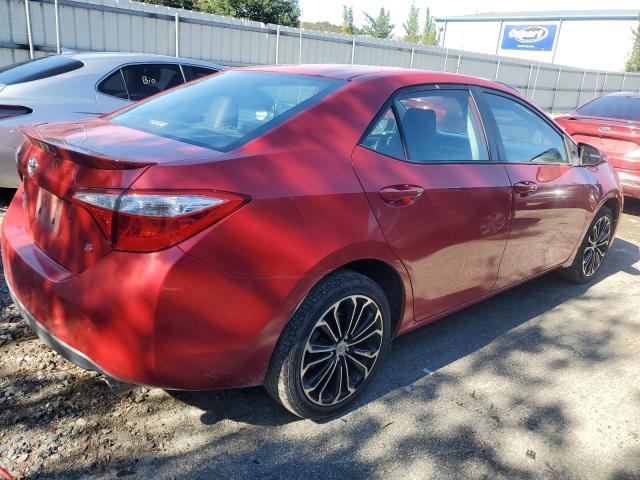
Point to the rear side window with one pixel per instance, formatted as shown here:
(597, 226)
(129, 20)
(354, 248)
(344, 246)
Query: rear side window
(148, 79)
(227, 110)
(525, 136)
(441, 126)
(385, 137)
(114, 85)
(623, 107)
(191, 72)
(38, 69)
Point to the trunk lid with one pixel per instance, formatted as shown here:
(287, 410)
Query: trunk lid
(618, 139)
(57, 160)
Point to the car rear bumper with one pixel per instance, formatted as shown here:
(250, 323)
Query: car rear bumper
(630, 182)
(64, 350)
(163, 319)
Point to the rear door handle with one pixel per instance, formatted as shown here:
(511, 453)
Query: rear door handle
(400, 195)
(525, 188)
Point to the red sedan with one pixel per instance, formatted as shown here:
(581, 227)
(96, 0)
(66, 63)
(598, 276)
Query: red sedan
(612, 124)
(279, 225)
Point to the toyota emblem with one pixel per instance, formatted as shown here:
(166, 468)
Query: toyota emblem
(31, 166)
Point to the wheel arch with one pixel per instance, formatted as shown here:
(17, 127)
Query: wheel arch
(613, 201)
(389, 273)
(615, 205)
(389, 280)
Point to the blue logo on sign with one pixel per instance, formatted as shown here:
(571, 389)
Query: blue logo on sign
(529, 37)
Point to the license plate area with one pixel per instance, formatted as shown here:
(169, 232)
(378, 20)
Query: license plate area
(48, 211)
(66, 233)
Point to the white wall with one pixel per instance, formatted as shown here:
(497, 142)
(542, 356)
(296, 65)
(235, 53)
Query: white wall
(596, 45)
(472, 36)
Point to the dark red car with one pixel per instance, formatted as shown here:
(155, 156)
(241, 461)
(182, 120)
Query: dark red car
(612, 124)
(279, 225)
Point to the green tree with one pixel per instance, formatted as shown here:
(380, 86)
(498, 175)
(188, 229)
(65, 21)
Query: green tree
(379, 27)
(322, 26)
(430, 35)
(412, 27)
(348, 26)
(186, 4)
(633, 64)
(283, 12)
(219, 7)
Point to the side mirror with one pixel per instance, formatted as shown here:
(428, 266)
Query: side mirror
(590, 155)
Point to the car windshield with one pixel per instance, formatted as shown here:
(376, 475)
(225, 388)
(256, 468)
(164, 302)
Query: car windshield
(227, 110)
(37, 69)
(623, 107)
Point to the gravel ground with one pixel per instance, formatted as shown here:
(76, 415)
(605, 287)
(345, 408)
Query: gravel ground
(540, 382)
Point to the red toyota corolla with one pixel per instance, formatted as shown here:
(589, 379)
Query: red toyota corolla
(279, 225)
(612, 124)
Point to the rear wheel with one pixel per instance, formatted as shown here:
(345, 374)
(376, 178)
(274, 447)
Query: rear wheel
(593, 249)
(332, 346)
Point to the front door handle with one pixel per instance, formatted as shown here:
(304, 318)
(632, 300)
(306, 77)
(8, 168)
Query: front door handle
(525, 188)
(401, 195)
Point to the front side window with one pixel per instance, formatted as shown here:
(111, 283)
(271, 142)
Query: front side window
(441, 126)
(148, 79)
(227, 110)
(525, 136)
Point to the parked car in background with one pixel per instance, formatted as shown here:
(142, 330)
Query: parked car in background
(279, 225)
(80, 86)
(612, 124)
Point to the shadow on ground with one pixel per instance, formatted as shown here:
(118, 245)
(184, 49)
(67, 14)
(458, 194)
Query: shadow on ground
(632, 206)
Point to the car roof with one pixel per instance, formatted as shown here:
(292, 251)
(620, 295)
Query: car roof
(342, 72)
(350, 72)
(120, 57)
(623, 94)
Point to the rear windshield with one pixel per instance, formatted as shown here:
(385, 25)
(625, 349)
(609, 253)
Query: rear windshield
(227, 110)
(37, 69)
(623, 107)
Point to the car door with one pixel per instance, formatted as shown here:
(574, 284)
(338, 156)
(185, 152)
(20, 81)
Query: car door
(443, 205)
(135, 82)
(550, 192)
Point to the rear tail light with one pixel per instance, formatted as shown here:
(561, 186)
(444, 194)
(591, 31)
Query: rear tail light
(148, 221)
(9, 111)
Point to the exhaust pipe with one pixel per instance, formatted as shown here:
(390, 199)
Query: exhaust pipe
(117, 387)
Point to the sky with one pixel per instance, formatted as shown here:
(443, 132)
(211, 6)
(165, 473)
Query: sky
(331, 10)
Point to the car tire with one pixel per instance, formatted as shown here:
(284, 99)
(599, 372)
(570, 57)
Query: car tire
(592, 250)
(342, 322)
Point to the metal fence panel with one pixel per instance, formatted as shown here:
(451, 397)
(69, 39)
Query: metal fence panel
(315, 50)
(428, 61)
(124, 25)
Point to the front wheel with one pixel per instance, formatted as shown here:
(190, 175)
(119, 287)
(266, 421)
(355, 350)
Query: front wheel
(593, 249)
(331, 347)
